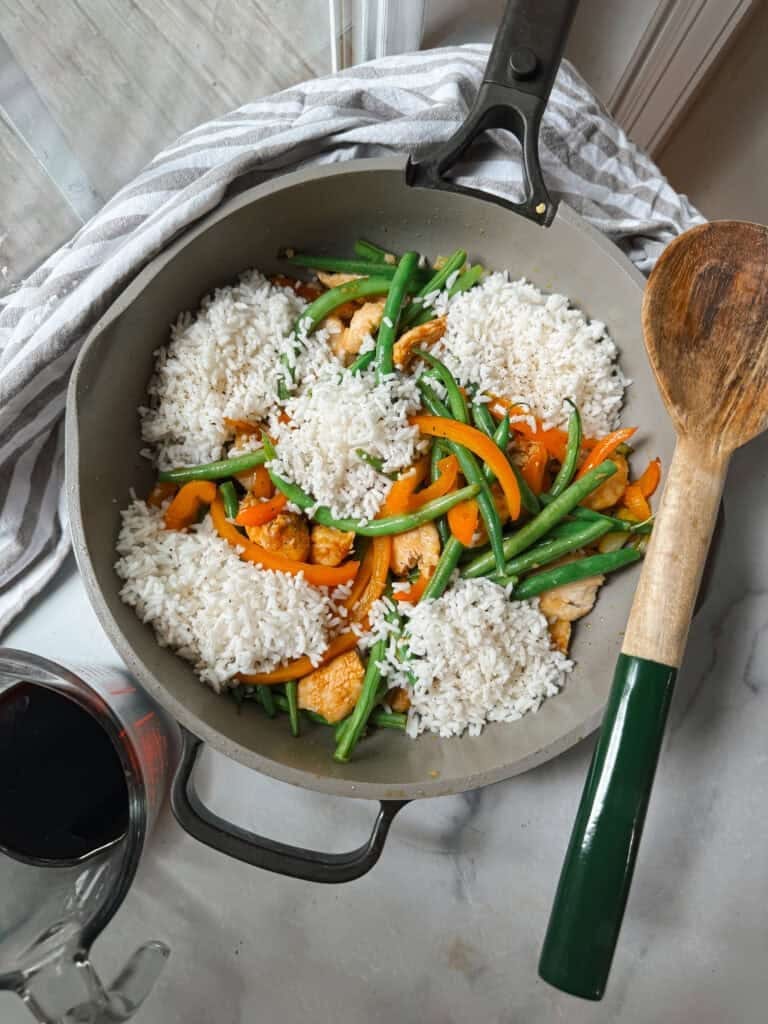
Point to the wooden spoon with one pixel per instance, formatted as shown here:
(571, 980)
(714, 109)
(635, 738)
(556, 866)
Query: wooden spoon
(705, 321)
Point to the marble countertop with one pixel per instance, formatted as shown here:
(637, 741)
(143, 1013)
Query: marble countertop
(447, 927)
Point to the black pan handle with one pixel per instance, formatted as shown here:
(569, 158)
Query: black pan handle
(201, 823)
(516, 86)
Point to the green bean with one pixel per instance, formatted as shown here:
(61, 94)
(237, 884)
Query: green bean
(593, 565)
(372, 460)
(589, 515)
(484, 421)
(389, 525)
(393, 308)
(436, 454)
(452, 265)
(503, 581)
(470, 467)
(572, 452)
(441, 577)
(229, 497)
(365, 703)
(266, 699)
(292, 697)
(541, 524)
(365, 250)
(214, 470)
(466, 280)
(454, 397)
(463, 283)
(550, 549)
(368, 268)
(389, 719)
(363, 361)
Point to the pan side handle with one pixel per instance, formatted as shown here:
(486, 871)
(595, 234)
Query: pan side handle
(516, 86)
(296, 862)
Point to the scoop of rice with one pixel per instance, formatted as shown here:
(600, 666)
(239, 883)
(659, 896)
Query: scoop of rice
(332, 419)
(222, 614)
(511, 339)
(474, 657)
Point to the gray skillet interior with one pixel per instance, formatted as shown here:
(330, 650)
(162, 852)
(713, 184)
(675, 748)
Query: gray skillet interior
(325, 211)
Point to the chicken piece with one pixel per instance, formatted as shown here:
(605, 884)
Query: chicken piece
(304, 289)
(560, 634)
(609, 494)
(287, 534)
(481, 535)
(420, 546)
(426, 334)
(571, 601)
(334, 280)
(364, 322)
(329, 546)
(334, 325)
(333, 689)
(398, 699)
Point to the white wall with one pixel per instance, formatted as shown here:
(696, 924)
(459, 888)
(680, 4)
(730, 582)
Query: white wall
(718, 153)
(603, 38)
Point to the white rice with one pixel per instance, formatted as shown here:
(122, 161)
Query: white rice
(515, 341)
(223, 362)
(219, 613)
(475, 657)
(331, 418)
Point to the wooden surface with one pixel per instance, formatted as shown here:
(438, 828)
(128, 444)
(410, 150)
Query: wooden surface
(705, 322)
(92, 89)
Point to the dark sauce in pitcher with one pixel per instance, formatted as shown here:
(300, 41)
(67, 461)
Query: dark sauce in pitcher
(62, 789)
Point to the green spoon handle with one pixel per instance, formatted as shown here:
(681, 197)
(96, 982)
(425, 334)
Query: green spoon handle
(597, 873)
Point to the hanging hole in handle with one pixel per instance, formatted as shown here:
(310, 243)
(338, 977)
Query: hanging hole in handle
(282, 858)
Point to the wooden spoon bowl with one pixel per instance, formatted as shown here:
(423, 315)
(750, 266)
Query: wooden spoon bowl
(705, 322)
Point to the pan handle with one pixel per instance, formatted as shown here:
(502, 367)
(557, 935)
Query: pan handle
(516, 86)
(207, 827)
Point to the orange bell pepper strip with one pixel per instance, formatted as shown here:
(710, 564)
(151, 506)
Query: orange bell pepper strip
(445, 483)
(649, 479)
(463, 519)
(185, 507)
(160, 493)
(264, 512)
(257, 482)
(482, 446)
(399, 498)
(414, 592)
(317, 575)
(604, 449)
(636, 502)
(382, 555)
(242, 427)
(301, 666)
(361, 580)
(535, 467)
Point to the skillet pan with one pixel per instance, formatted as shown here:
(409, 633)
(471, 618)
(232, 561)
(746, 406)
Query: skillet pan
(413, 205)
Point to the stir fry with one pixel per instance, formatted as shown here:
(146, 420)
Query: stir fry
(542, 512)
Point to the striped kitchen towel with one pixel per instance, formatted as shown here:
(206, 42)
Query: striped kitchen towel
(398, 104)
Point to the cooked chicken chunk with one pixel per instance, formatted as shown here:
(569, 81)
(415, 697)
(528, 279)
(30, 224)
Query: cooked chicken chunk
(425, 334)
(334, 280)
(571, 601)
(560, 633)
(365, 321)
(416, 547)
(287, 534)
(398, 699)
(609, 493)
(333, 689)
(329, 546)
(334, 325)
